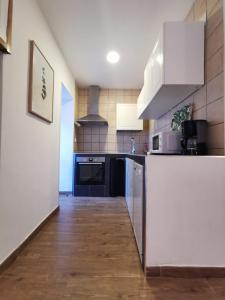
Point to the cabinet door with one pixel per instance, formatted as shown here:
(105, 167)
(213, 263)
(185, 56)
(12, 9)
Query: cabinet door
(129, 186)
(127, 117)
(138, 206)
(153, 76)
(156, 69)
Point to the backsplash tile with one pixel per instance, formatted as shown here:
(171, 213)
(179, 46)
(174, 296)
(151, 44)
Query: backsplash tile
(107, 139)
(215, 112)
(208, 101)
(215, 64)
(215, 88)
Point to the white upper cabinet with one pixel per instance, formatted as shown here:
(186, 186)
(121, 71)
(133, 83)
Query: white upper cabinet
(127, 118)
(174, 70)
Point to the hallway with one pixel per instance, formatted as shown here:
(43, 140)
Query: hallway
(87, 251)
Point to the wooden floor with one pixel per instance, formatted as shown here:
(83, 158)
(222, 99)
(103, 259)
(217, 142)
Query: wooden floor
(87, 251)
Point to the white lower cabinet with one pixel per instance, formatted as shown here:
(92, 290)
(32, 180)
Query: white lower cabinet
(134, 199)
(129, 186)
(138, 206)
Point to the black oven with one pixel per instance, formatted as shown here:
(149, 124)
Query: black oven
(90, 170)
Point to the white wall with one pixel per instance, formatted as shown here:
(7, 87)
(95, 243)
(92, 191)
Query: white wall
(66, 142)
(185, 211)
(224, 60)
(29, 161)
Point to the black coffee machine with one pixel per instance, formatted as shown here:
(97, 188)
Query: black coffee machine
(194, 137)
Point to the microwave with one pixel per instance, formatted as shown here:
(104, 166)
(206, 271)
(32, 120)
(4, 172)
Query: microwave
(168, 142)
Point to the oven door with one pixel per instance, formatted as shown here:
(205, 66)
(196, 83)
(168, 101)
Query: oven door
(90, 173)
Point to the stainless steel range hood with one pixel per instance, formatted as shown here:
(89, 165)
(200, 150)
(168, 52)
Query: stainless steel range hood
(93, 118)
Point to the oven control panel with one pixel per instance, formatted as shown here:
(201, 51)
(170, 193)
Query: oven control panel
(90, 160)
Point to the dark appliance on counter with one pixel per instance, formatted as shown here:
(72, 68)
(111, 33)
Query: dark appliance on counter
(89, 176)
(117, 177)
(194, 137)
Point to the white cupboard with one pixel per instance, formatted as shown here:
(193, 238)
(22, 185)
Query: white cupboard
(138, 206)
(129, 186)
(134, 200)
(174, 70)
(127, 117)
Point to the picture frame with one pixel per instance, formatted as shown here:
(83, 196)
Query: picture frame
(41, 85)
(6, 14)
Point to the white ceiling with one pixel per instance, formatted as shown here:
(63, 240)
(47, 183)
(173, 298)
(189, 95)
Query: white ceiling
(87, 29)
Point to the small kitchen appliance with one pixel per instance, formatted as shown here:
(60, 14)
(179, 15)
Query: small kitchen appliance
(194, 137)
(167, 142)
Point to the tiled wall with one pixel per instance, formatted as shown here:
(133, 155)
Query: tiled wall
(208, 101)
(98, 139)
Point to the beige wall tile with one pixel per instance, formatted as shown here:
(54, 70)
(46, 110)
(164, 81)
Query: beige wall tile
(103, 138)
(199, 98)
(95, 146)
(120, 147)
(87, 130)
(216, 136)
(95, 138)
(104, 130)
(215, 64)
(120, 139)
(216, 152)
(104, 92)
(200, 10)
(87, 146)
(212, 5)
(102, 147)
(135, 93)
(126, 147)
(80, 146)
(200, 114)
(81, 114)
(143, 139)
(111, 147)
(103, 100)
(95, 130)
(127, 92)
(215, 88)
(215, 112)
(215, 41)
(87, 138)
(214, 19)
(190, 15)
(111, 138)
(80, 138)
(82, 92)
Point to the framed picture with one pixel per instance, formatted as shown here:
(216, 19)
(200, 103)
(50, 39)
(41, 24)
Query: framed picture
(41, 85)
(6, 11)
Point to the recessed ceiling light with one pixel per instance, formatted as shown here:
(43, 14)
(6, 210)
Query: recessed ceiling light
(113, 57)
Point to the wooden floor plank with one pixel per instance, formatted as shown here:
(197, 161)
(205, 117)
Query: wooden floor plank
(87, 251)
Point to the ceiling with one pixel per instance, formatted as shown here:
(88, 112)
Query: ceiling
(87, 29)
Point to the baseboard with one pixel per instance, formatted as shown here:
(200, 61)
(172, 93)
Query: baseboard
(5, 264)
(185, 272)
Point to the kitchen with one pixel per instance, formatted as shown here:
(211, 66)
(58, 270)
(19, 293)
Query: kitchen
(142, 211)
(104, 144)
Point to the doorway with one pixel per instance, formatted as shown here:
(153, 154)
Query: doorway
(66, 142)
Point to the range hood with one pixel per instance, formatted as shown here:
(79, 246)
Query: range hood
(93, 118)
